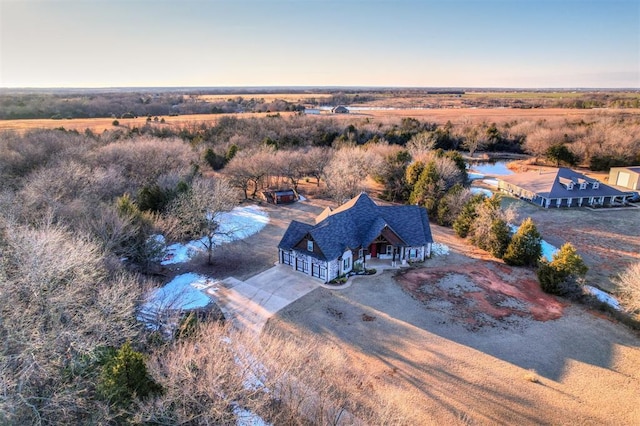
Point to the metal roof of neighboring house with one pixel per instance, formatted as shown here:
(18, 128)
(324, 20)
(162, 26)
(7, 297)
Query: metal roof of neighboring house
(357, 223)
(552, 183)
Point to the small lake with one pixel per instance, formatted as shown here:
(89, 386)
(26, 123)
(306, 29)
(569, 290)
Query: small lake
(491, 168)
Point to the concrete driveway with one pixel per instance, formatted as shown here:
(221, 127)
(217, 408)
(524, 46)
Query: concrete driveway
(249, 304)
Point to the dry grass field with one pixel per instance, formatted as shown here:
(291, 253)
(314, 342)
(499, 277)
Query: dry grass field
(99, 125)
(440, 116)
(268, 97)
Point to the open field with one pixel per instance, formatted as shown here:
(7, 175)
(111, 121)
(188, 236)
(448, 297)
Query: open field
(440, 116)
(268, 97)
(99, 125)
(498, 115)
(464, 341)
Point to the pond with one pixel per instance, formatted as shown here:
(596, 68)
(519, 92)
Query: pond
(490, 168)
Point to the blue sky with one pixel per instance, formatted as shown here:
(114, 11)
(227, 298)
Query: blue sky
(428, 43)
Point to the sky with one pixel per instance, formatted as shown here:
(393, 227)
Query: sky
(386, 43)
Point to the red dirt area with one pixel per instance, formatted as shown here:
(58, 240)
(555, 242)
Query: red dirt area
(481, 293)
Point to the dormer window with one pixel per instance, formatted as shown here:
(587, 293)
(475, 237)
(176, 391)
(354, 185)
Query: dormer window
(570, 186)
(583, 185)
(596, 185)
(309, 245)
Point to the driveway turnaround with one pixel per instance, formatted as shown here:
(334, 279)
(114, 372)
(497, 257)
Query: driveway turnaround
(249, 304)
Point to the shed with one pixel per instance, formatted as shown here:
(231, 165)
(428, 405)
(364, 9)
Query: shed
(285, 196)
(340, 109)
(626, 177)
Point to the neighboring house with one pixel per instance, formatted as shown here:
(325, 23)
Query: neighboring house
(626, 177)
(343, 239)
(560, 188)
(340, 109)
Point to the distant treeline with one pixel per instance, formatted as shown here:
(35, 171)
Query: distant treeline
(125, 104)
(118, 103)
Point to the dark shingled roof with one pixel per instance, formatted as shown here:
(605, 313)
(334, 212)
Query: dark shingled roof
(357, 223)
(552, 184)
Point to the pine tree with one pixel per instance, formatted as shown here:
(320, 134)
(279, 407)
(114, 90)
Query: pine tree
(568, 262)
(499, 238)
(465, 219)
(124, 376)
(525, 247)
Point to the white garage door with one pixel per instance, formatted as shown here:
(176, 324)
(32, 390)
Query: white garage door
(623, 179)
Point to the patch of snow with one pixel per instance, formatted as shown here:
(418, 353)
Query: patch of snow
(439, 249)
(245, 417)
(474, 176)
(181, 293)
(301, 198)
(603, 297)
(491, 182)
(238, 224)
(487, 192)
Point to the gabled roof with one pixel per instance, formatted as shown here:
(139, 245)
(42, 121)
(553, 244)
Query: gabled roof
(357, 223)
(553, 184)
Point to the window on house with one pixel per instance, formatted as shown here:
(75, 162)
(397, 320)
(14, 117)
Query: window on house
(346, 264)
(596, 185)
(309, 245)
(413, 253)
(389, 249)
(360, 254)
(570, 186)
(583, 185)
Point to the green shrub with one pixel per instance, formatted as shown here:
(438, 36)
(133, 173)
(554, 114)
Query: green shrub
(115, 123)
(525, 247)
(124, 377)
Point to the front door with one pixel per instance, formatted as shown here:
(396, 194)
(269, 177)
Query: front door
(374, 250)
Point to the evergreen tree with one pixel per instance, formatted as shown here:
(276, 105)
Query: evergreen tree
(499, 238)
(465, 219)
(124, 376)
(525, 247)
(568, 262)
(566, 266)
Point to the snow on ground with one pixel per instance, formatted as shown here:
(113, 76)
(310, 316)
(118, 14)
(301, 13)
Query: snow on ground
(180, 294)
(247, 418)
(548, 250)
(603, 297)
(239, 223)
(487, 192)
(301, 198)
(491, 182)
(439, 249)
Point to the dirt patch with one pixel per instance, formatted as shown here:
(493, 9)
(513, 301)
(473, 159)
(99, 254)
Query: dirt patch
(479, 294)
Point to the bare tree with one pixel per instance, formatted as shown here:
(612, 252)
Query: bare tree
(59, 304)
(346, 173)
(198, 211)
(316, 160)
(629, 285)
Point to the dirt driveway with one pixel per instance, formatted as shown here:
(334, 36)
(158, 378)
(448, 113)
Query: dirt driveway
(451, 365)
